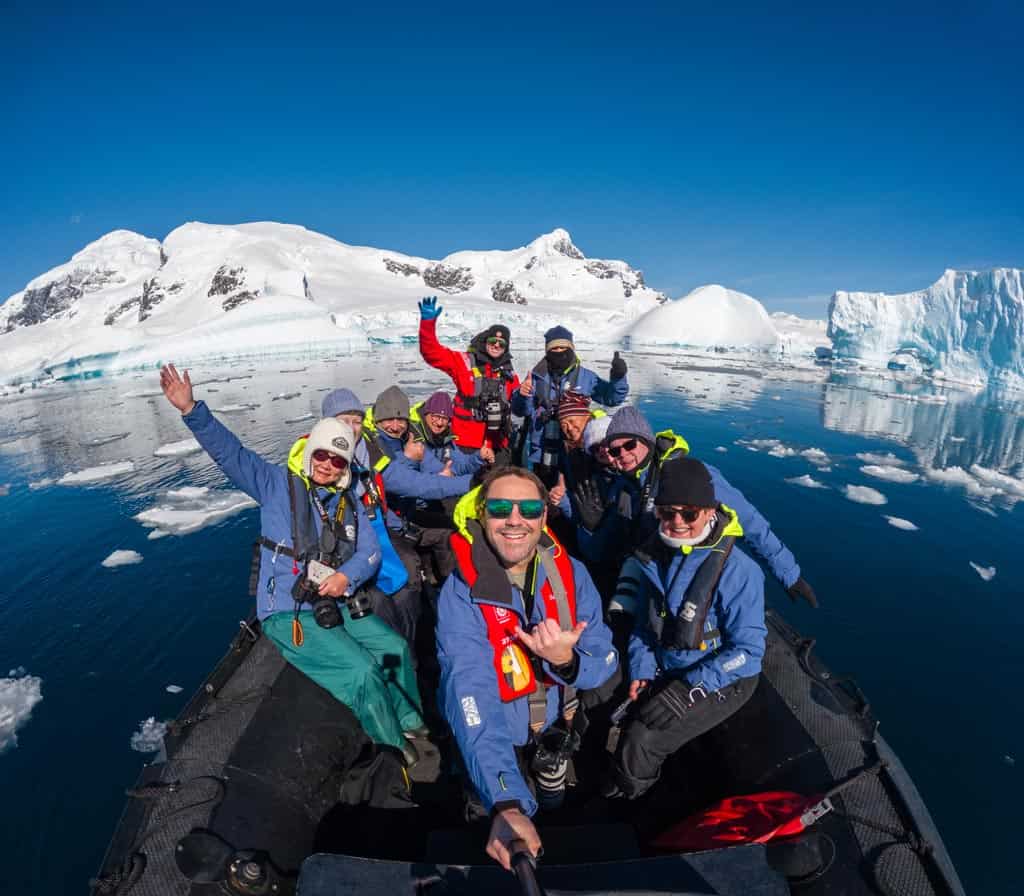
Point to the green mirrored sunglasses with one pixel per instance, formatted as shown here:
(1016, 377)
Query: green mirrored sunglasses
(501, 508)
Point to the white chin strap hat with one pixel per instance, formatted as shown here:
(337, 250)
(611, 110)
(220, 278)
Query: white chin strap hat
(335, 436)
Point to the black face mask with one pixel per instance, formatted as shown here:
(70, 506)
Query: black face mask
(561, 361)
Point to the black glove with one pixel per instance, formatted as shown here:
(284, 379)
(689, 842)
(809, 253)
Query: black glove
(589, 505)
(618, 368)
(668, 705)
(799, 589)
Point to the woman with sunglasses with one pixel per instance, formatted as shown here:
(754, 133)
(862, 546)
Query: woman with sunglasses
(308, 512)
(484, 382)
(695, 652)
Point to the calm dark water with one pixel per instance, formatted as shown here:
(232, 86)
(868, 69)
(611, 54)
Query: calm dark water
(935, 647)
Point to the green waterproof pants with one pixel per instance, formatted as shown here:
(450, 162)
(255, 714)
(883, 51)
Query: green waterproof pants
(364, 664)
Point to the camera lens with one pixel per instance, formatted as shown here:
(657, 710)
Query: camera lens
(326, 613)
(359, 605)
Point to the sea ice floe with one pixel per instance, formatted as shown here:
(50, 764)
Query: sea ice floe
(987, 573)
(143, 393)
(900, 523)
(97, 474)
(816, 456)
(722, 449)
(772, 447)
(284, 396)
(107, 440)
(178, 449)
(188, 510)
(886, 460)
(890, 474)
(862, 494)
(188, 492)
(122, 558)
(19, 695)
(979, 482)
(150, 736)
(41, 483)
(174, 689)
(300, 419)
(806, 481)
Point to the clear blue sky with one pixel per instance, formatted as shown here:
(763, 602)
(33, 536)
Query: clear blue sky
(786, 154)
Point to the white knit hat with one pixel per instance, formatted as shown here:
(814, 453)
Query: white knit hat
(335, 436)
(595, 432)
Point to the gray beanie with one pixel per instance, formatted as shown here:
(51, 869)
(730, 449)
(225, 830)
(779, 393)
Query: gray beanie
(391, 404)
(341, 401)
(628, 421)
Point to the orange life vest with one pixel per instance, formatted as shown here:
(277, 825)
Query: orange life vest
(512, 666)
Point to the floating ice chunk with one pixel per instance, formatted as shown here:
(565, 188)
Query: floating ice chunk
(957, 439)
(994, 479)
(150, 736)
(157, 533)
(886, 460)
(987, 573)
(960, 477)
(174, 689)
(97, 474)
(816, 456)
(285, 396)
(106, 440)
(122, 558)
(188, 492)
(178, 449)
(235, 408)
(862, 494)
(19, 694)
(722, 449)
(806, 481)
(143, 393)
(772, 447)
(5, 490)
(890, 474)
(182, 514)
(900, 523)
(301, 419)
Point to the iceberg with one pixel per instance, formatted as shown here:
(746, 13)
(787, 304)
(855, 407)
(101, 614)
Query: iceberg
(19, 695)
(968, 326)
(190, 509)
(122, 558)
(862, 494)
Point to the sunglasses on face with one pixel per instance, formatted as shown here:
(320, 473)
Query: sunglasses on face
(321, 456)
(496, 340)
(668, 514)
(625, 446)
(501, 508)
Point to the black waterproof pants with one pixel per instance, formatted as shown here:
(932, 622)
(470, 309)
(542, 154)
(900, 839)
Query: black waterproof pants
(641, 751)
(401, 610)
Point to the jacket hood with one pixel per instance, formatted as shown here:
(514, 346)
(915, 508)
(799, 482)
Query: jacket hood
(666, 444)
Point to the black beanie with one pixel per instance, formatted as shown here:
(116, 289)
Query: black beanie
(685, 480)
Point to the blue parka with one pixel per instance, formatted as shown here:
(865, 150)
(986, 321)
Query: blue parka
(403, 480)
(267, 484)
(617, 531)
(486, 729)
(736, 611)
(607, 392)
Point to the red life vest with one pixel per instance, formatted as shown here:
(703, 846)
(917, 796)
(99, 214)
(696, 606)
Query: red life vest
(512, 666)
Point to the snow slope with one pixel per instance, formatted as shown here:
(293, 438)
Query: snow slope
(713, 316)
(967, 326)
(127, 300)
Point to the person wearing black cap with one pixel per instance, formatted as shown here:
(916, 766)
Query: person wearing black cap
(558, 372)
(484, 382)
(698, 601)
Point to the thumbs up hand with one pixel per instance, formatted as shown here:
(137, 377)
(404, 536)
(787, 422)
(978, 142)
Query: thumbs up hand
(557, 492)
(447, 471)
(618, 370)
(526, 386)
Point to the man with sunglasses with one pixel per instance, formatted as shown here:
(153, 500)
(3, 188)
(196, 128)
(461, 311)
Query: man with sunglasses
(309, 514)
(484, 382)
(695, 652)
(557, 373)
(621, 520)
(519, 632)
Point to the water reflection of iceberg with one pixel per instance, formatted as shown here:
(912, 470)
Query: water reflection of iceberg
(962, 430)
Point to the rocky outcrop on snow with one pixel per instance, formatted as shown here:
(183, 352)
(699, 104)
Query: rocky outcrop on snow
(448, 279)
(505, 291)
(967, 326)
(398, 267)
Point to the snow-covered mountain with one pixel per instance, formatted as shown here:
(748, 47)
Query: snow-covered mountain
(968, 326)
(713, 316)
(128, 300)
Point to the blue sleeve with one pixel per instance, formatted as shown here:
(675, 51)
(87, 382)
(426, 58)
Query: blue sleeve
(246, 469)
(740, 613)
(401, 479)
(431, 463)
(522, 405)
(756, 530)
(643, 658)
(364, 563)
(469, 700)
(608, 393)
(466, 464)
(598, 656)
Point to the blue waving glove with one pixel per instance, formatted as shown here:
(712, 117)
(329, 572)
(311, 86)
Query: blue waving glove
(429, 309)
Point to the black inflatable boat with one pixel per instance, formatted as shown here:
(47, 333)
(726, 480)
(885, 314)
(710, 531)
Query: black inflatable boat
(244, 799)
